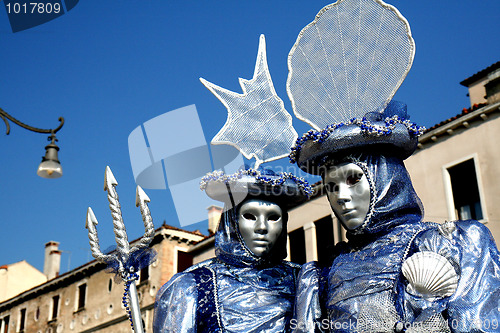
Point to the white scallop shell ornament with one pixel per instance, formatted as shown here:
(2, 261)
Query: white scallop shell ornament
(430, 275)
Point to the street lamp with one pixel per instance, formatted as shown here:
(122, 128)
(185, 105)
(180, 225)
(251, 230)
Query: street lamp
(50, 166)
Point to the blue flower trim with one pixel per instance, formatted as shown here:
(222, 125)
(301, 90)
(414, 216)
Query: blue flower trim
(366, 128)
(136, 261)
(264, 178)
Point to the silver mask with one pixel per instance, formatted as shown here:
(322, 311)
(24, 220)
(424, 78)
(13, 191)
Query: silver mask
(260, 223)
(348, 191)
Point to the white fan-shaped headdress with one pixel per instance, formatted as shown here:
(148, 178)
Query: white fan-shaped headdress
(344, 70)
(349, 61)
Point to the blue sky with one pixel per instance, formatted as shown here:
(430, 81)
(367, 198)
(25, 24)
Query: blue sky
(109, 66)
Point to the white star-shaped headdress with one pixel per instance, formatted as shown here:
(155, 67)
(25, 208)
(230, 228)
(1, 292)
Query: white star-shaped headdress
(257, 124)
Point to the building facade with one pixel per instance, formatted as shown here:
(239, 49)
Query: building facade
(456, 170)
(18, 277)
(88, 299)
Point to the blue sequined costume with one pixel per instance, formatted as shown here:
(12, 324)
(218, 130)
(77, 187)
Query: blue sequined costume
(364, 290)
(234, 292)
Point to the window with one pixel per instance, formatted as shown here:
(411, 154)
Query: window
(465, 190)
(324, 240)
(82, 293)
(55, 307)
(4, 324)
(144, 274)
(297, 246)
(22, 319)
(110, 285)
(37, 313)
(184, 260)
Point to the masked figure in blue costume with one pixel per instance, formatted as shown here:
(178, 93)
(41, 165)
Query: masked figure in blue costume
(396, 273)
(248, 287)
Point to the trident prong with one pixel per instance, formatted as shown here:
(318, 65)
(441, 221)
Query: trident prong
(126, 269)
(141, 200)
(122, 244)
(90, 224)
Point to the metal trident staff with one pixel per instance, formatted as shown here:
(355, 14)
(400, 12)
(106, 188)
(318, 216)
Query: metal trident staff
(126, 259)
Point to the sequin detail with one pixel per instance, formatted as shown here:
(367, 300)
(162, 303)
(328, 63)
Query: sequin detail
(207, 309)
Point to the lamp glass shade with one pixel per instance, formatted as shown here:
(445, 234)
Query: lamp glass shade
(50, 169)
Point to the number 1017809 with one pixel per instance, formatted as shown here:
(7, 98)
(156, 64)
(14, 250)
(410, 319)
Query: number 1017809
(33, 8)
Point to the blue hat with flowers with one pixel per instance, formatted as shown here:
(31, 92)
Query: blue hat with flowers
(284, 188)
(344, 70)
(386, 133)
(259, 127)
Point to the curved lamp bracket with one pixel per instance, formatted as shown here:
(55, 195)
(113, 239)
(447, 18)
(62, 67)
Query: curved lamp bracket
(4, 115)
